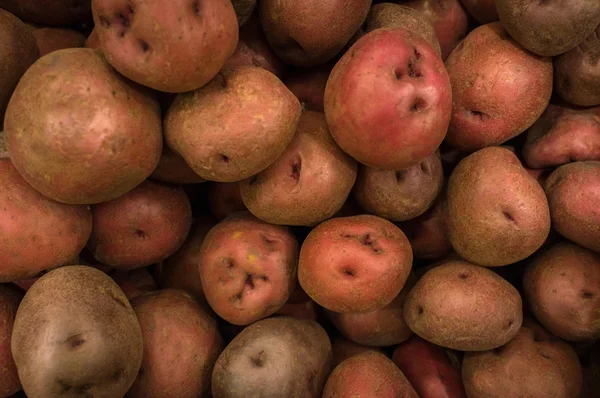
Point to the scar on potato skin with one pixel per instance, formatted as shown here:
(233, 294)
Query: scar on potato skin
(366, 240)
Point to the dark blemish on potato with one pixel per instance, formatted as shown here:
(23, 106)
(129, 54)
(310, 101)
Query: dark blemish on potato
(508, 216)
(587, 295)
(478, 114)
(400, 174)
(510, 323)
(348, 272)
(224, 158)
(398, 73)
(249, 281)
(104, 22)
(463, 275)
(417, 53)
(562, 274)
(264, 278)
(346, 235)
(228, 263)
(425, 168)
(420, 310)
(367, 240)
(196, 7)
(144, 46)
(296, 167)
(258, 360)
(75, 341)
(140, 234)
(417, 105)
(114, 93)
(236, 297)
(554, 291)
(130, 9)
(123, 21)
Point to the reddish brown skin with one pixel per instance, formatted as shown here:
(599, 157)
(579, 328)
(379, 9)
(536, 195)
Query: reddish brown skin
(499, 89)
(449, 19)
(573, 192)
(344, 349)
(142, 227)
(93, 41)
(428, 369)
(50, 12)
(354, 264)
(370, 374)
(10, 297)
(388, 100)
(52, 39)
(299, 305)
(563, 134)
(173, 169)
(247, 268)
(38, 234)
(224, 199)
(156, 43)
(181, 345)
(484, 11)
(135, 282)
(308, 85)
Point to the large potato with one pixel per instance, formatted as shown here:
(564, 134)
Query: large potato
(275, 357)
(10, 298)
(169, 45)
(464, 307)
(75, 334)
(50, 12)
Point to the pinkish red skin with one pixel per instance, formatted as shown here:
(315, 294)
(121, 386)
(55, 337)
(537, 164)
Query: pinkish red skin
(561, 135)
(308, 85)
(135, 282)
(484, 11)
(224, 199)
(93, 41)
(10, 297)
(388, 100)
(449, 18)
(142, 227)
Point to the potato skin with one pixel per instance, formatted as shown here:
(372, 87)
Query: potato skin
(76, 334)
(274, 357)
(562, 284)
(224, 199)
(173, 169)
(484, 311)
(52, 39)
(534, 364)
(343, 349)
(135, 282)
(38, 233)
(10, 298)
(484, 11)
(308, 85)
(50, 12)
(181, 345)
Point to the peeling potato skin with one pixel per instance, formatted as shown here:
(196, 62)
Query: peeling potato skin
(247, 268)
(37, 233)
(50, 12)
(75, 334)
(10, 298)
(91, 145)
(534, 364)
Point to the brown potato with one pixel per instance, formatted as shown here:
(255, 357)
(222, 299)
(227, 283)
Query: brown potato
(173, 169)
(343, 349)
(308, 85)
(497, 212)
(369, 374)
(181, 345)
(275, 357)
(573, 199)
(52, 39)
(168, 45)
(484, 11)
(205, 128)
(75, 334)
(354, 264)
(243, 9)
(465, 307)
(247, 268)
(402, 194)
(10, 298)
(224, 199)
(134, 282)
(562, 284)
(50, 12)
(534, 364)
(308, 183)
(142, 227)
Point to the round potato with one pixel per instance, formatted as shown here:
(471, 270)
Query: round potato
(50, 12)
(134, 282)
(53, 39)
(10, 298)
(484, 312)
(173, 169)
(224, 199)
(93, 41)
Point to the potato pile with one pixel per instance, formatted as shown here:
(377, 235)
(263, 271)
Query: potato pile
(300, 198)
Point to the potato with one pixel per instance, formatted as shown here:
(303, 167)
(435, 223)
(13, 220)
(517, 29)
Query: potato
(224, 199)
(247, 268)
(390, 15)
(181, 345)
(310, 32)
(18, 50)
(562, 284)
(93, 41)
(563, 134)
(484, 11)
(533, 364)
(308, 85)
(498, 88)
(403, 194)
(343, 349)
(38, 234)
(399, 113)
(275, 357)
(308, 183)
(205, 128)
(369, 374)
(243, 9)
(134, 282)
(354, 264)
(10, 297)
(577, 72)
(75, 334)
(173, 169)
(142, 227)
(497, 212)
(299, 305)
(52, 39)
(157, 43)
(573, 197)
(464, 307)
(50, 12)
(549, 28)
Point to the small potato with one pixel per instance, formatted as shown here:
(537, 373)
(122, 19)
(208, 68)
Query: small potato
(181, 345)
(243, 9)
(50, 12)
(142, 227)
(464, 307)
(235, 126)
(308, 183)
(562, 284)
(573, 198)
(403, 194)
(308, 85)
(343, 349)
(275, 357)
(224, 199)
(369, 375)
(247, 268)
(563, 134)
(173, 169)
(484, 11)
(135, 282)
(534, 364)
(10, 298)
(52, 39)
(354, 264)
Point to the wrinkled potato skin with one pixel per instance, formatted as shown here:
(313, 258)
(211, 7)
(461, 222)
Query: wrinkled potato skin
(484, 11)
(50, 12)
(52, 39)
(10, 298)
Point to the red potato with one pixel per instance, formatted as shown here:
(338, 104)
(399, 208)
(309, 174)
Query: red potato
(484, 11)
(429, 369)
(224, 199)
(344, 349)
(93, 41)
(168, 45)
(142, 227)
(173, 169)
(52, 39)
(308, 85)
(10, 297)
(499, 89)
(299, 305)
(247, 268)
(134, 283)
(388, 100)
(50, 12)
(354, 264)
